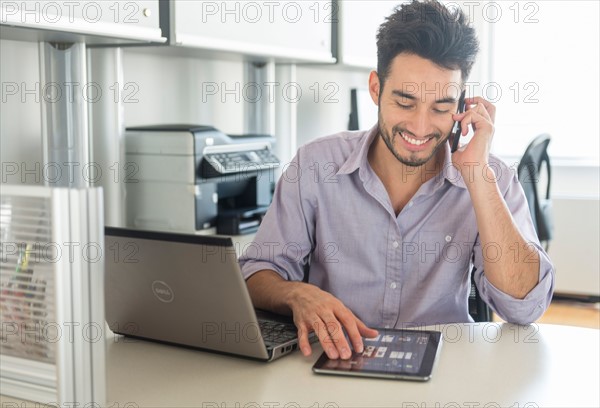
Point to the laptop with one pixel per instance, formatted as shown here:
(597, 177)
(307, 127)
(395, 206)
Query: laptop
(187, 290)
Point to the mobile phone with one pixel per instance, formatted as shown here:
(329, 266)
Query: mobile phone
(456, 131)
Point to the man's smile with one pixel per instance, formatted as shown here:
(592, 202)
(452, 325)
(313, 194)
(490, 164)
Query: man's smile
(415, 142)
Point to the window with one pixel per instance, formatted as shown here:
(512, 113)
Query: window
(544, 72)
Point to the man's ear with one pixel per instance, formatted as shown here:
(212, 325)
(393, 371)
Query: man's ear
(374, 87)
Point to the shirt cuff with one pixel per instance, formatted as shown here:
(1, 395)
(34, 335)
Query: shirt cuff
(250, 267)
(528, 309)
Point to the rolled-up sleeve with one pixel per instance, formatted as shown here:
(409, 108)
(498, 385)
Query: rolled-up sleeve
(283, 242)
(509, 308)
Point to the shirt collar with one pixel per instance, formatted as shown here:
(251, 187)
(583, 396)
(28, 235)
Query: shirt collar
(358, 157)
(358, 160)
(449, 171)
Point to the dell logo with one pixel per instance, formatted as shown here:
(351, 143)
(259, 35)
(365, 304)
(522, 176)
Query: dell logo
(162, 291)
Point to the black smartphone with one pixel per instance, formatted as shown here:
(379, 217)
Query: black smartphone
(456, 131)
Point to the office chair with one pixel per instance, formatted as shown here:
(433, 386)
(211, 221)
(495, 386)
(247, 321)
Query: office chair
(529, 171)
(478, 309)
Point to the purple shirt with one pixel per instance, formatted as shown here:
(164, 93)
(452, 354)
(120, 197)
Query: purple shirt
(331, 223)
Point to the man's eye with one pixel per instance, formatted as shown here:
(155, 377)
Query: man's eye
(441, 110)
(403, 106)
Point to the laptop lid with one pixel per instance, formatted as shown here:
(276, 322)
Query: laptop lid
(179, 288)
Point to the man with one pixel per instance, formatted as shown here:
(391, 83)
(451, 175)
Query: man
(382, 228)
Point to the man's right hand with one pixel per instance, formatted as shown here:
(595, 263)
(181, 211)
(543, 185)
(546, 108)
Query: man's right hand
(319, 311)
(313, 310)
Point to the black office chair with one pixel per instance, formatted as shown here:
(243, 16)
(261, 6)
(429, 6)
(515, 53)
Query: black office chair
(478, 309)
(534, 160)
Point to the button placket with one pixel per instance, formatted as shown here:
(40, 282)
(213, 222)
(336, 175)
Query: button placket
(392, 292)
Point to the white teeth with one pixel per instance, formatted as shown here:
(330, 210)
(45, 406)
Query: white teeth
(413, 141)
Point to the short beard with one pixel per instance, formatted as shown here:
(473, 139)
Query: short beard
(390, 139)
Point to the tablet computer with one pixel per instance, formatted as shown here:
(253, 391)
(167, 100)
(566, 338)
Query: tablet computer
(394, 354)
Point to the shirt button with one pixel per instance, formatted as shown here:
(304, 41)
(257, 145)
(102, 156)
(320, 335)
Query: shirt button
(410, 204)
(395, 244)
(393, 285)
(448, 238)
(387, 326)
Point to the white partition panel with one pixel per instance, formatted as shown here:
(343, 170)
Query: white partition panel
(51, 282)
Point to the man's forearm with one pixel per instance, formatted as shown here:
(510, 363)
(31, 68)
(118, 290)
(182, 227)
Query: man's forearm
(510, 263)
(269, 291)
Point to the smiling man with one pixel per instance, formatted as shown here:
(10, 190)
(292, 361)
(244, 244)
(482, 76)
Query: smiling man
(383, 228)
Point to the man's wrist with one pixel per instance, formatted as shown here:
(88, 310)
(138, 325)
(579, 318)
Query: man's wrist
(291, 292)
(477, 173)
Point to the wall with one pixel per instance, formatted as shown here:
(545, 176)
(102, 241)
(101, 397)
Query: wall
(325, 104)
(182, 90)
(574, 249)
(20, 114)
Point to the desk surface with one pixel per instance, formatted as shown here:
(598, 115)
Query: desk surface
(507, 365)
(485, 364)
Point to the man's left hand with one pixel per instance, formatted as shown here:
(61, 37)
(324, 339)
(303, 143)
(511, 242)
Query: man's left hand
(480, 114)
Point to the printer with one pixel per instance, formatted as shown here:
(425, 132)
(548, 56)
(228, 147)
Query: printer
(192, 178)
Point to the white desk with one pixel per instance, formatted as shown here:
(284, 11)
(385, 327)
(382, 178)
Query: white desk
(484, 364)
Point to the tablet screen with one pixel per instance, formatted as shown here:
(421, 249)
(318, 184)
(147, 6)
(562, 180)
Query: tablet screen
(401, 354)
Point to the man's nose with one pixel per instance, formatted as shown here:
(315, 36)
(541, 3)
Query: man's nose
(419, 124)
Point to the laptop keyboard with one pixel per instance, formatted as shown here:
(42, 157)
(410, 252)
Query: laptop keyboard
(275, 332)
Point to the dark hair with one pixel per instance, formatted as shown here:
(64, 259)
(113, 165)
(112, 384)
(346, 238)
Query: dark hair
(430, 30)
